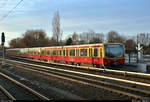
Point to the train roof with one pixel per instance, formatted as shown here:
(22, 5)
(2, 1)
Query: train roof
(67, 46)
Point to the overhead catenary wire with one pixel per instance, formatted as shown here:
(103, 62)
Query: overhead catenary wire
(11, 10)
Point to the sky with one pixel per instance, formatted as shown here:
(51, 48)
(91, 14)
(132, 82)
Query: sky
(128, 17)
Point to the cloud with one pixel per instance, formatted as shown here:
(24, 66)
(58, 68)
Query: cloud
(125, 16)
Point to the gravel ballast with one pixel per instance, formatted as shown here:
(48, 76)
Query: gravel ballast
(61, 89)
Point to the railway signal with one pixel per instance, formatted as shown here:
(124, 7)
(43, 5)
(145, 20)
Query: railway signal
(3, 38)
(139, 49)
(3, 41)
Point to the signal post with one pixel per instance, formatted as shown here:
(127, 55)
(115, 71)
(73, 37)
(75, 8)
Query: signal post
(3, 50)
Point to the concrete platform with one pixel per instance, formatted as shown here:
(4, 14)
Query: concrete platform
(148, 66)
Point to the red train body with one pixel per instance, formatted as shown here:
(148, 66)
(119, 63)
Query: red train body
(95, 54)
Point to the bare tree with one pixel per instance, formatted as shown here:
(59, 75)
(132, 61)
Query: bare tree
(97, 38)
(85, 37)
(35, 38)
(114, 37)
(57, 33)
(143, 38)
(31, 38)
(130, 44)
(52, 42)
(15, 43)
(91, 37)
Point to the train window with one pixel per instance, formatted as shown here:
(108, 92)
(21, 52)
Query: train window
(34, 52)
(90, 52)
(54, 52)
(48, 52)
(38, 52)
(77, 52)
(60, 52)
(42, 52)
(57, 52)
(30, 52)
(72, 52)
(101, 52)
(95, 52)
(64, 53)
(67, 54)
(83, 52)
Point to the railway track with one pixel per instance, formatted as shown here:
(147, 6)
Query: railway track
(133, 76)
(5, 95)
(132, 89)
(15, 90)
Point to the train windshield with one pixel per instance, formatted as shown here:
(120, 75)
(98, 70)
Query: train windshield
(114, 51)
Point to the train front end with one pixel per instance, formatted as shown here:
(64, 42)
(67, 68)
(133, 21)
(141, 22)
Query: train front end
(114, 55)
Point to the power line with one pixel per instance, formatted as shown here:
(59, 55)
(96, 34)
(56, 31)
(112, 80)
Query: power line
(11, 10)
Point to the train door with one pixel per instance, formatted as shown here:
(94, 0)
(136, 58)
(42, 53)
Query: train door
(77, 55)
(62, 54)
(91, 55)
(101, 55)
(96, 56)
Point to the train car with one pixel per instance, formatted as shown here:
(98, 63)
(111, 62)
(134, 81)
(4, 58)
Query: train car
(97, 55)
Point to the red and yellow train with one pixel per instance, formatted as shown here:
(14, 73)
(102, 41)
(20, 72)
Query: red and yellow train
(98, 55)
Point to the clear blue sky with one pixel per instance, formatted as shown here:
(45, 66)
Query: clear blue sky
(128, 17)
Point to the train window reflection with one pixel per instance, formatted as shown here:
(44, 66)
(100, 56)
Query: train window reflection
(83, 52)
(95, 52)
(114, 51)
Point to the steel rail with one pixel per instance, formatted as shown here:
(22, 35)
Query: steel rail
(7, 93)
(92, 75)
(96, 69)
(106, 83)
(69, 75)
(25, 87)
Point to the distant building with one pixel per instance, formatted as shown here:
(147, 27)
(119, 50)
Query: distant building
(143, 38)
